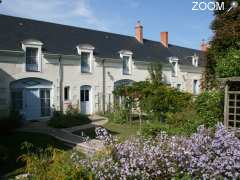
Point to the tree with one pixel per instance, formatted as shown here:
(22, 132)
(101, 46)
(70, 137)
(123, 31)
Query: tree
(155, 73)
(226, 29)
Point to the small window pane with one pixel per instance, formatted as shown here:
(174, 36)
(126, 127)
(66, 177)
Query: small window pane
(231, 103)
(231, 117)
(231, 110)
(238, 110)
(86, 95)
(82, 95)
(85, 62)
(237, 124)
(231, 96)
(238, 104)
(231, 123)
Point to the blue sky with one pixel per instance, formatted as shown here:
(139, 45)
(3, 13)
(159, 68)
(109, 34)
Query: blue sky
(185, 27)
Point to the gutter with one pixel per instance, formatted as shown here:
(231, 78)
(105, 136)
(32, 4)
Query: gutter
(60, 83)
(104, 85)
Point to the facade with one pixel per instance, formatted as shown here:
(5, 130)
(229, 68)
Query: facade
(46, 66)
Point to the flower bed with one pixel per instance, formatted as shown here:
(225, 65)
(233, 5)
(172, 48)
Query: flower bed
(204, 155)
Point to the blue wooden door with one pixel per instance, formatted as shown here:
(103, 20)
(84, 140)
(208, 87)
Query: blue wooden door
(32, 104)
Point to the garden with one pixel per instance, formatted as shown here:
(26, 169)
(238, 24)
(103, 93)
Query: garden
(154, 131)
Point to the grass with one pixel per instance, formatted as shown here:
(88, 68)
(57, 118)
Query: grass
(12, 145)
(122, 131)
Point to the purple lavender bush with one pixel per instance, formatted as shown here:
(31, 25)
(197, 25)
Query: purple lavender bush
(205, 155)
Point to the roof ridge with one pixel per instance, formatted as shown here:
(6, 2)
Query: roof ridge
(88, 29)
(66, 25)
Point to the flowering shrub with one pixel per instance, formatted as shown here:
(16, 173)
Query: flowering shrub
(204, 155)
(103, 134)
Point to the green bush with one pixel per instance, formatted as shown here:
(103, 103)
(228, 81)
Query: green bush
(162, 99)
(71, 118)
(119, 115)
(179, 123)
(228, 65)
(209, 106)
(50, 164)
(10, 123)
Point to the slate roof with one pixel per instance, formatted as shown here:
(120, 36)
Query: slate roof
(63, 39)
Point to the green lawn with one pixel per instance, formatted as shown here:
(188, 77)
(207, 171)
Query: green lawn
(123, 131)
(12, 144)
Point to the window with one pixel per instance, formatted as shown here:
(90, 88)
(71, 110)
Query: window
(84, 95)
(126, 65)
(32, 59)
(179, 87)
(45, 102)
(195, 60)
(85, 62)
(195, 87)
(174, 65)
(66, 93)
(174, 69)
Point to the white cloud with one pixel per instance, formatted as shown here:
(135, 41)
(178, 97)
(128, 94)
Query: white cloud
(61, 11)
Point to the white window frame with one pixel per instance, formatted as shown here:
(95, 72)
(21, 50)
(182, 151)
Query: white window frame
(129, 55)
(195, 60)
(175, 68)
(197, 90)
(33, 44)
(86, 48)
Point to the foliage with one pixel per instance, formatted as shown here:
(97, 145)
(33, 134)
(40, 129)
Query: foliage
(228, 65)
(10, 123)
(209, 106)
(11, 144)
(119, 115)
(204, 155)
(162, 99)
(179, 123)
(226, 31)
(155, 99)
(52, 163)
(155, 73)
(72, 117)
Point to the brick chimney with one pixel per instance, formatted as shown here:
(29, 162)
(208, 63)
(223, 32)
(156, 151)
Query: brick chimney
(204, 46)
(139, 32)
(164, 39)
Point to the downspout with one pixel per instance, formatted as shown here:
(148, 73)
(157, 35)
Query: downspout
(60, 83)
(104, 85)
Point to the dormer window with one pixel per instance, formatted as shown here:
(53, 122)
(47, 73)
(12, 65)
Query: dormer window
(32, 59)
(195, 60)
(33, 55)
(126, 57)
(174, 65)
(86, 60)
(126, 65)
